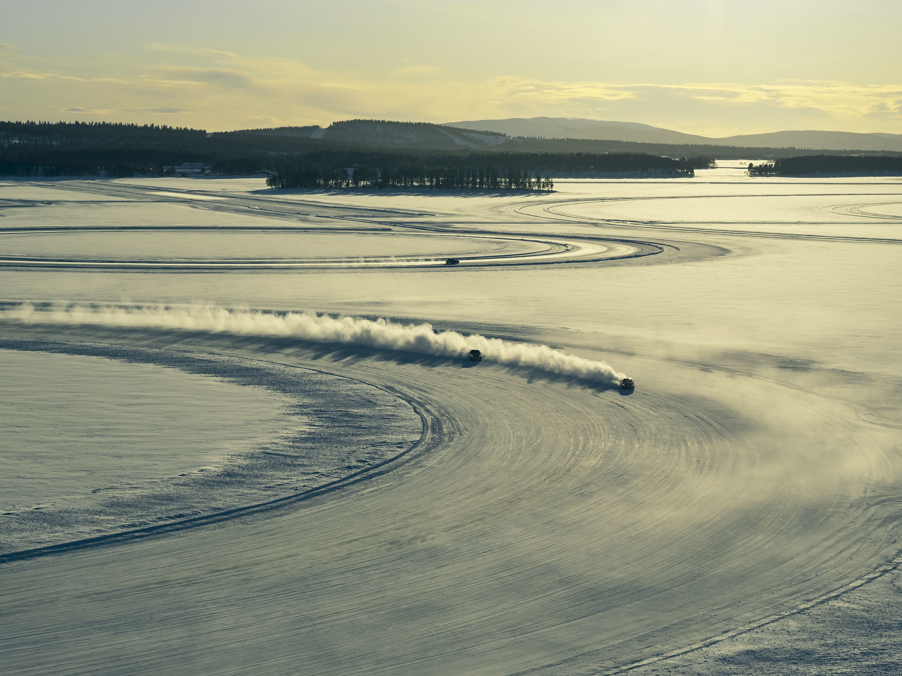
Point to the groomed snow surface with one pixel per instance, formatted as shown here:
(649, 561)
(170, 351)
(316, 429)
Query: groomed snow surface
(240, 433)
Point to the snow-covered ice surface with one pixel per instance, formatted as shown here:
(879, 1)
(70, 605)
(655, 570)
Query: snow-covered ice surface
(857, 633)
(738, 512)
(77, 425)
(99, 440)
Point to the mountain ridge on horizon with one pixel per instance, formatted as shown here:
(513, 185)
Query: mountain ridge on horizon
(610, 130)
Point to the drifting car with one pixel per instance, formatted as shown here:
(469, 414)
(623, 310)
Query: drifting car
(451, 261)
(474, 355)
(627, 384)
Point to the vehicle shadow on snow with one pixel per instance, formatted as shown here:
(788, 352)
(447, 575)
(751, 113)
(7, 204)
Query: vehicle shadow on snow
(536, 375)
(352, 354)
(268, 347)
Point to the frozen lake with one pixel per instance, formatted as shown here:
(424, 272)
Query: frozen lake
(66, 416)
(282, 497)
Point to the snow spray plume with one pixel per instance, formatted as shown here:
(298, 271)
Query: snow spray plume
(309, 326)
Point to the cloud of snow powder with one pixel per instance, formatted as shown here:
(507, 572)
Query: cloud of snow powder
(309, 326)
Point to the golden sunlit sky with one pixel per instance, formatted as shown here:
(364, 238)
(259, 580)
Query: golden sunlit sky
(712, 67)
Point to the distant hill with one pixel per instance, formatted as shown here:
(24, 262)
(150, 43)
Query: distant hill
(385, 133)
(418, 134)
(563, 127)
(574, 128)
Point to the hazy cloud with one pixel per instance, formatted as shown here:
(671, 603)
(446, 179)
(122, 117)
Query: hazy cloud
(32, 75)
(89, 111)
(190, 49)
(37, 75)
(835, 98)
(537, 93)
(415, 71)
(161, 111)
(218, 76)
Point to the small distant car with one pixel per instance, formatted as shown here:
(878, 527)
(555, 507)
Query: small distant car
(627, 384)
(452, 261)
(475, 355)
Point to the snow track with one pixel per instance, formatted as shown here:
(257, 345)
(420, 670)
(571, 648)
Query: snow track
(538, 252)
(599, 213)
(364, 431)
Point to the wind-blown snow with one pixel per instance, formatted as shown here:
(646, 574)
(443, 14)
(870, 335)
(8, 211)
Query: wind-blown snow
(321, 328)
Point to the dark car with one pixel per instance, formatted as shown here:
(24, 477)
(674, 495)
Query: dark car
(475, 355)
(627, 384)
(451, 261)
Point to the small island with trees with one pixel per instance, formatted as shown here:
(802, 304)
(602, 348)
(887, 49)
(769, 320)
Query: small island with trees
(474, 171)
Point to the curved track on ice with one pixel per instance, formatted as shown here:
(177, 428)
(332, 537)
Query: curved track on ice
(545, 529)
(547, 252)
(558, 211)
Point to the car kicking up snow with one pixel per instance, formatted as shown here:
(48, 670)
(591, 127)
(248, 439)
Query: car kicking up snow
(627, 384)
(475, 355)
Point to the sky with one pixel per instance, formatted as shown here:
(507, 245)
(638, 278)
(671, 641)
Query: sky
(711, 67)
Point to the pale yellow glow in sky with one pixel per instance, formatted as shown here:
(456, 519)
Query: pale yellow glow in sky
(714, 67)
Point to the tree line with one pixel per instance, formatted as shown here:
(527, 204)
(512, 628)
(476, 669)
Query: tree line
(93, 133)
(79, 149)
(52, 161)
(866, 165)
(36, 149)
